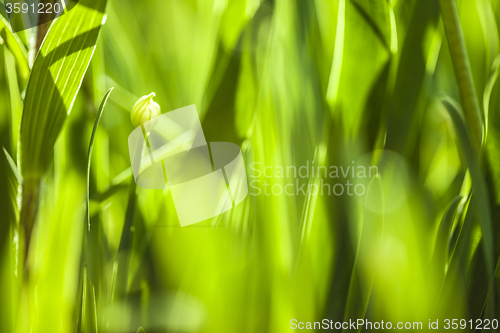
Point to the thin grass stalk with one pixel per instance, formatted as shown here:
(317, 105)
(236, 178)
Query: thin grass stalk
(462, 70)
(29, 211)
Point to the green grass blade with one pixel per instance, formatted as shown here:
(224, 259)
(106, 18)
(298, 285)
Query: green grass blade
(91, 145)
(9, 181)
(87, 317)
(89, 161)
(55, 80)
(15, 46)
(440, 257)
(410, 76)
(495, 71)
(13, 168)
(481, 202)
(351, 77)
(16, 102)
(462, 69)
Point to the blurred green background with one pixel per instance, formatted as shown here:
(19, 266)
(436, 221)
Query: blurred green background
(369, 82)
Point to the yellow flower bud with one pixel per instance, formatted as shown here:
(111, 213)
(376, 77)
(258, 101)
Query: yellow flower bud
(145, 109)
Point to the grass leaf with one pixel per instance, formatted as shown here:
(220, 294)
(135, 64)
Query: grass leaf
(461, 64)
(410, 76)
(480, 203)
(9, 181)
(17, 48)
(87, 317)
(495, 71)
(440, 257)
(13, 168)
(55, 80)
(98, 118)
(352, 78)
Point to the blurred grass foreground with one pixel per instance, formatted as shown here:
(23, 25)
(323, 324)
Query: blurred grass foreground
(406, 87)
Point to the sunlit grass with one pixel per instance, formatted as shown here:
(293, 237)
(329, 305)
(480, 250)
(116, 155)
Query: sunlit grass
(408, 86)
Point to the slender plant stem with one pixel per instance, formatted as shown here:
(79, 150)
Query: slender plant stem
(29, 210)
(462, 69)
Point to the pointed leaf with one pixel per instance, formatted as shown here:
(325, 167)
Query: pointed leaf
(55, 80)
